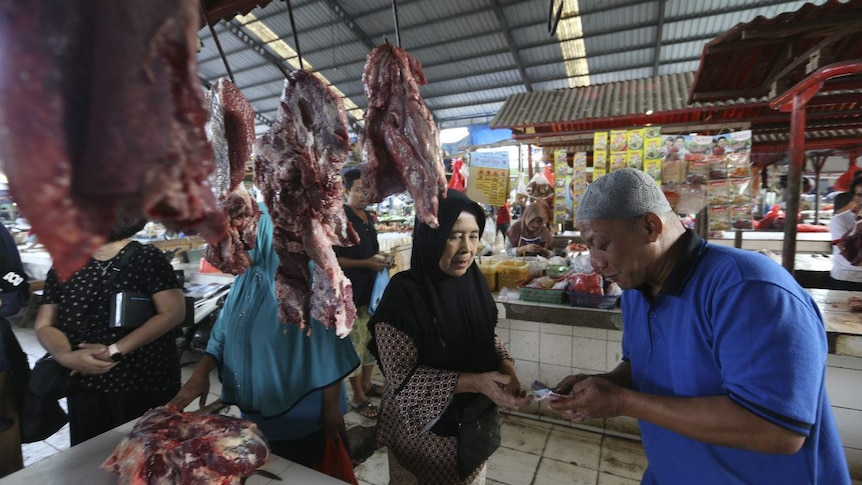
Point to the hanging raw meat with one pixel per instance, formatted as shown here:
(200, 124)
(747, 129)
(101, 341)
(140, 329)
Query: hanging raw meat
(297, 167)
(169, 447)
(230, 130)
(102, 112)
(401, 146)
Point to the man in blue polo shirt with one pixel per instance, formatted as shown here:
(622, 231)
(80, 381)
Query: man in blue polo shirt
(724, 354)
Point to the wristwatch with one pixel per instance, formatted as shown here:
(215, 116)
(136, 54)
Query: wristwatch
(115, 353)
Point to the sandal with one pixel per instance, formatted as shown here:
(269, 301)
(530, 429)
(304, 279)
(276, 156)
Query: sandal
(376, 390)
(365, 409)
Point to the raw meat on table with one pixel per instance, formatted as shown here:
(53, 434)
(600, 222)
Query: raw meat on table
(401, 145)
(297, 167)
(103, 113)
(230, 130)
(170, 447)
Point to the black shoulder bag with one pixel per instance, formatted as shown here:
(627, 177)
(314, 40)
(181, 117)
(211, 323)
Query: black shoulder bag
(48, 381)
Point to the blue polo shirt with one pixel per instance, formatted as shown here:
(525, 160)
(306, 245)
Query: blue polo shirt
(733, 323)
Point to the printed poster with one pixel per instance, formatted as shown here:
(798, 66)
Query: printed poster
(489, 178)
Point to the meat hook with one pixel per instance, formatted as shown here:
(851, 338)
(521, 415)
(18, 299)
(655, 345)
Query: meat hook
(217, 43)
(295, 34)
(397, 24)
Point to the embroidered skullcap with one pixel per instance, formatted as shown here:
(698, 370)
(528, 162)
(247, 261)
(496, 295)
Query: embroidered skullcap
(622, 194)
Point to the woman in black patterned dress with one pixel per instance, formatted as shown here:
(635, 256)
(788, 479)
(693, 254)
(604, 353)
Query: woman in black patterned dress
(120, 372)
(446, 370)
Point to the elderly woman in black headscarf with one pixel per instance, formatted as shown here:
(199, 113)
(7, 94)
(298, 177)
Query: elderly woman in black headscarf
(446, 370)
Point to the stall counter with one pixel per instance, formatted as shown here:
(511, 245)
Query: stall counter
(80, 465)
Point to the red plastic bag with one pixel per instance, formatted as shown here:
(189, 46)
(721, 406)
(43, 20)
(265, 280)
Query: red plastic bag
(336, 461)
(457, 181)
(590, 284)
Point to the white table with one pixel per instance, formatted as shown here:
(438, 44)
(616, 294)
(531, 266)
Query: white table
(80, 465)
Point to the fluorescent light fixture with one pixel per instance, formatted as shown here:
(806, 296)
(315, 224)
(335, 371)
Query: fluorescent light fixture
(268, 37)
(570, 35)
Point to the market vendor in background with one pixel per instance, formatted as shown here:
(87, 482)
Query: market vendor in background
(844, 275)
(529, 235)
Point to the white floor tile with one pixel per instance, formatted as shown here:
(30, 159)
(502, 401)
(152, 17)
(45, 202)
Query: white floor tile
(553, 472)
(623, 458)
(512, 467)
(608, 479)
(523, 437)
(375, 470)
(575, 447)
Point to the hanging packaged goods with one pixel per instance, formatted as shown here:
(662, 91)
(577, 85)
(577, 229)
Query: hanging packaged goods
(693, 170)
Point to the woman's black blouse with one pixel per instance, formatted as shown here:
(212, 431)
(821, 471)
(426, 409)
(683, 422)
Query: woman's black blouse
(154, 366)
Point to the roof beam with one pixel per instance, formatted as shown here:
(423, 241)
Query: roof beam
(594, 34)
(510, 41)
(659, 32)
(256, 46)
(348, 22)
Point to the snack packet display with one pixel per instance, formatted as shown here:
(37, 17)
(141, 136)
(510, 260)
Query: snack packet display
(740, 191)
(719, 218)
(698, 170)
(718, 192)
(741, 216)
(717, 168)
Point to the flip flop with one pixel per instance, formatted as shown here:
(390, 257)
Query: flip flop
(375, 391)
(365, 409)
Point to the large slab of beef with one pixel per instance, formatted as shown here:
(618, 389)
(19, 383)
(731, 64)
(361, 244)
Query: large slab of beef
(297, 167)
(230, 130)
(401, 146)
(168, 447)
(102, 112)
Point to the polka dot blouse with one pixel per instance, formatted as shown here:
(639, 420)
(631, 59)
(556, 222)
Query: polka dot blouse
(154, 366)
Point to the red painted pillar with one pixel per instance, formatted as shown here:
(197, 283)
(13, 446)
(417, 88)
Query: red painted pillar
(794, 176)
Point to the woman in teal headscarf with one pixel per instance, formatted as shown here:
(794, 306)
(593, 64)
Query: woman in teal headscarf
(288, 383)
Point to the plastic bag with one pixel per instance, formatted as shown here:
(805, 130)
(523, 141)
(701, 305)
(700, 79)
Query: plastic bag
(458, 181)
(380, 282)
(336, 461)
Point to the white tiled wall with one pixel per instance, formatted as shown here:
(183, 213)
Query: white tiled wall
(549, 352)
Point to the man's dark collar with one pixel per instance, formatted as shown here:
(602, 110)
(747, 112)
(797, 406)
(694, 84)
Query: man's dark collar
(679, 275)
(682, 269)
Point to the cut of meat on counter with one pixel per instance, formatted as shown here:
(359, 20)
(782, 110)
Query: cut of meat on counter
(167, 447)
(230, 130)
(297, 167)
(401, 145)
(102, 112)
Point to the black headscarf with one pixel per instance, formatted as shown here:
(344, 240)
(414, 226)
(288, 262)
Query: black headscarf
(450, 319)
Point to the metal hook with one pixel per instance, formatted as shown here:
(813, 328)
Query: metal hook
(397, 24)
(295, 35)
(218, 44)
(554, 17)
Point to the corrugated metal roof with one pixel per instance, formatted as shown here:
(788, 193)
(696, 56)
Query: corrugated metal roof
(610, 100)
(465, 51)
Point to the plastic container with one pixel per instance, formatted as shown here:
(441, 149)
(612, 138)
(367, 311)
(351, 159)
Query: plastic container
(541, 295)
(510, 274)
(489, 271)
(556, 271)
(604, 302)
